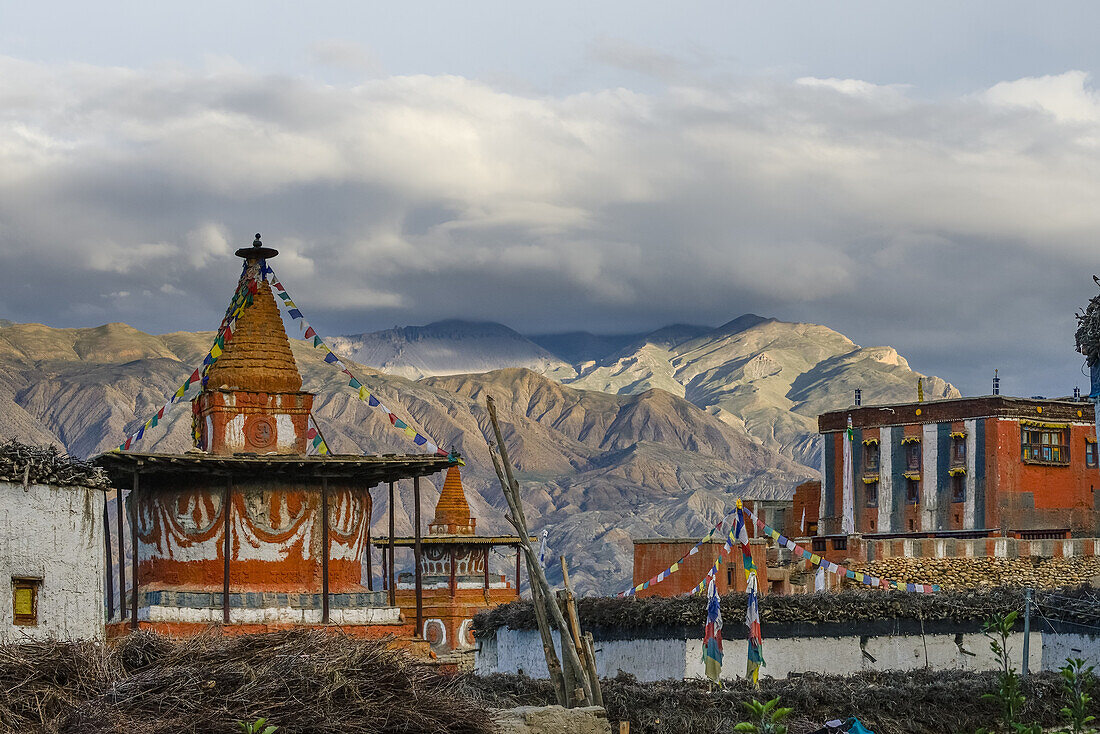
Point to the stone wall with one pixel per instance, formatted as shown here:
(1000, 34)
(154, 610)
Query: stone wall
(53, 535)
(677, 658)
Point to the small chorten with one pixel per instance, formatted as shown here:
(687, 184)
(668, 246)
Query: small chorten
(452, 512)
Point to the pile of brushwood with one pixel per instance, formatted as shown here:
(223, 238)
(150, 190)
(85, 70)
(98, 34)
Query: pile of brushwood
(299, 681)
(655, 614)
(26, 464)
(916, 702)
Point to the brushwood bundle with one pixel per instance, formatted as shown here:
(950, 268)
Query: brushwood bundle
(300, 681)
(1088, 330)
(651, 614)
(26, 464)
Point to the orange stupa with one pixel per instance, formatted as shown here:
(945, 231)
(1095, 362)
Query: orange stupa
(452, 512)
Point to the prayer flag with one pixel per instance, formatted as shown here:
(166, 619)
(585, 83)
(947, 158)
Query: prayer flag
(712, 634)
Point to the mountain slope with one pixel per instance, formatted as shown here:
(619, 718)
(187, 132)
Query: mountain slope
(771, 378)
(448, 348)
(597, 468)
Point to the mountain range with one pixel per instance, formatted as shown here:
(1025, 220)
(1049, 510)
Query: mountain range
(654, 438)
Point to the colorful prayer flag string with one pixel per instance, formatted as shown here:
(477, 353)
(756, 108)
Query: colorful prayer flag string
(816, 560)
(364, 394)
(675, 566)
(241, 300)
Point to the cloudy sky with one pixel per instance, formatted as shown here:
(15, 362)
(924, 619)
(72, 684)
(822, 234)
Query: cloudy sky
(922, 175)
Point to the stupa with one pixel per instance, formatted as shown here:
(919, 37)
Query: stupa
(248, 531)
(455, 572)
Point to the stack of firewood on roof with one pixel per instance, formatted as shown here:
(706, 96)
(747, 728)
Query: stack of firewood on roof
(24, 464)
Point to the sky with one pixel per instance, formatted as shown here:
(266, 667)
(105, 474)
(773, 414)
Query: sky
(919, 175)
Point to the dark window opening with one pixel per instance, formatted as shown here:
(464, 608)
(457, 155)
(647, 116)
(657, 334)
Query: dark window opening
(870, 457)
(25, 601)
(871, 493)
(818, 545)
(1090, 454)
(840, 544)
(1045, 444)
(912, 491)
(729, 578)
(872, 526)
(958, 449)
(958, 488)
(912, 456)
(912, 525)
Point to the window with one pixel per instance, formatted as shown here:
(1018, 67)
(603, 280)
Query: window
(1090, 454)
(870, 457)
(958, 450)
(818, 545)
(912, 491)
(958, 488)
(1045, 444)
(840, 544)
(912, 455)
(871, 493)
(25, 601)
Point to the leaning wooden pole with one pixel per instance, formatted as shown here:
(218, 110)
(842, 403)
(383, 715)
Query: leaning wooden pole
(553, 665)
(535, 573)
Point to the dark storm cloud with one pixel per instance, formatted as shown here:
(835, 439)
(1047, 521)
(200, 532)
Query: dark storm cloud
(959, 231)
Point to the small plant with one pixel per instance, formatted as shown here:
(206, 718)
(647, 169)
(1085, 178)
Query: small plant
(1076, 682)
(1009, 693)
(766, 718)
(259, 726)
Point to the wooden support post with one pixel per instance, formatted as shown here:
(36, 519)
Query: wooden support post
(454, 579)
(486, 570)
(110, 573)
(385, 571)
(227, 545)
(624, 727)
(120, 511)
(369, 547)
(518, 555)
(392, 587)
(134, 550)
(324, 550)
(419, 571)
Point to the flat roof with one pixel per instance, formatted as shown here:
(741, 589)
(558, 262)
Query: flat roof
(370, 470)
(957, 409)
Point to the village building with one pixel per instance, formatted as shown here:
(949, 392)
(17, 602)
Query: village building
(455, 572)
(51, 519)
(964, 467)
(247, 531)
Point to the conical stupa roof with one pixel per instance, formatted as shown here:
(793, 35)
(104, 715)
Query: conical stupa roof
(257, 358)
(452, 512)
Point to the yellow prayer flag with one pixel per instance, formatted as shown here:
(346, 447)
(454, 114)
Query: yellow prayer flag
(816, 560)
(215, 351)
(675, 567)
(181, 391)
(410, 431)
(363, 394)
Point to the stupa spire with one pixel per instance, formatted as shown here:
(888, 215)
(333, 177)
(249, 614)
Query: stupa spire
(452, 512)
(252, 400)
(258, 358)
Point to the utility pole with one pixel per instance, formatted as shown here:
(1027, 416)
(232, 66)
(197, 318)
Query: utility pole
(1027, 628)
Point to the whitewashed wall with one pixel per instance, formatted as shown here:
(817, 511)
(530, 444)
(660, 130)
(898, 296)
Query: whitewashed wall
(511, 651)
(55, 534)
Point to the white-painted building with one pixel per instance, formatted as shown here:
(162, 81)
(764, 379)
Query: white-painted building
(52, 557)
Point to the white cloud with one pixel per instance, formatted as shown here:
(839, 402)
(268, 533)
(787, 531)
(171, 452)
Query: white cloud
(1065, 96)
(420, 197)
